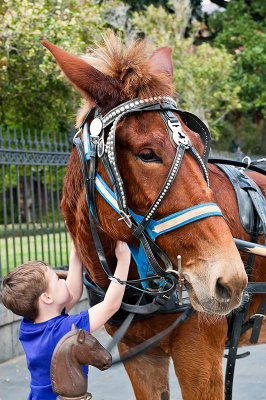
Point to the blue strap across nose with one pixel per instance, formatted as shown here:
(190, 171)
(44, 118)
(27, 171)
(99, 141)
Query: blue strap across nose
(167, 224)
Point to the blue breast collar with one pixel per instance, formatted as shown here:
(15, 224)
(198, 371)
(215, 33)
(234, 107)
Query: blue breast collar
(155, 227)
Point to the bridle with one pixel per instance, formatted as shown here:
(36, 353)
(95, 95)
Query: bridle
(98, 141)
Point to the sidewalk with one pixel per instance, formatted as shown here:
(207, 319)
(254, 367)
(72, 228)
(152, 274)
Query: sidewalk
(114, 384)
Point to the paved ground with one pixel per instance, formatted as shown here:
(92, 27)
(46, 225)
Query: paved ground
(113, 384)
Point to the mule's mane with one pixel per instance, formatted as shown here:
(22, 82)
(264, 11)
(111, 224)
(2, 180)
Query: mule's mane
(129, 65)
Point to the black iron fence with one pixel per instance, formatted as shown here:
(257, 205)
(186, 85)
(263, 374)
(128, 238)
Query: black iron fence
(33, 166)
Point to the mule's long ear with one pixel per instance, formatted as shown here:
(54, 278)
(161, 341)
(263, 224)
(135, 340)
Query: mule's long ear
(161, 61)
(87, 79)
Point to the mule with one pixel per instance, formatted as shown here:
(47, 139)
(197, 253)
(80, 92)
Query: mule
(212, 267)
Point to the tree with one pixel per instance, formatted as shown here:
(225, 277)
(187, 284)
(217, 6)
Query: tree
(245, 37)
(202, 74)
(33, 91)
(241, 30)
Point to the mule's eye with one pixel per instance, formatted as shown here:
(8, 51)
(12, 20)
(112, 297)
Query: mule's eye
(147, 155)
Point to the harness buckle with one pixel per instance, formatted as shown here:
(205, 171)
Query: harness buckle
(125, 218)
(100, 148)
(259, 316)
(181, 279)
(115, 280)
(179, 137)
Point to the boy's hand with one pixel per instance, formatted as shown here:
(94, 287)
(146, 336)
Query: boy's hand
(122, 252)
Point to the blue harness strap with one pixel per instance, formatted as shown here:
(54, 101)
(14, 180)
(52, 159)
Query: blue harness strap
(167, 224)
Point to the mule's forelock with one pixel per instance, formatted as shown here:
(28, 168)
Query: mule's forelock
(114, 72)
(140, 76)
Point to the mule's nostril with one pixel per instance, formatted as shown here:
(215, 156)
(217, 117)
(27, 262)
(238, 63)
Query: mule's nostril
(222, 291)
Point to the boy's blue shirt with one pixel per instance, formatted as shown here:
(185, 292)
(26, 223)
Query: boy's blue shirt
(39, 341)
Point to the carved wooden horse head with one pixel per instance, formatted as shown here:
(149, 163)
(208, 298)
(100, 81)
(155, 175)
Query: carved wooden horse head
(78, 347)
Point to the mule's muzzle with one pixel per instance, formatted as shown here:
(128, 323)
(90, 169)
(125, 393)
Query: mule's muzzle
(221, 300)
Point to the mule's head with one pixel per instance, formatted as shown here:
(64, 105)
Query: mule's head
(214, 273)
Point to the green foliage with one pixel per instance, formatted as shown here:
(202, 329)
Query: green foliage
(202, 74)
(210, 81)
(33, 91)
(247, 135)
(138, 5)
(241, 30)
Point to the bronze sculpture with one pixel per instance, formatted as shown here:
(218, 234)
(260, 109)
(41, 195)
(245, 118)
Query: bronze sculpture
(78, 347)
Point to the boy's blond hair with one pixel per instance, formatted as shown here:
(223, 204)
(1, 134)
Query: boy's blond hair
(22, 287)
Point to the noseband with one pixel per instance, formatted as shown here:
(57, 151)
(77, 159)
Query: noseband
(93, 145)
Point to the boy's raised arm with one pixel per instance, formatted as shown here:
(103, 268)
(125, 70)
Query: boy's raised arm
(74, 279)
(100, 313)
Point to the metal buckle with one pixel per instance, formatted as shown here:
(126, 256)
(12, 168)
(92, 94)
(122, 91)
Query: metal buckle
(116, 280)
(125, 218)
(179, 137)
(100, 147)
(258, 315)
(181, 280)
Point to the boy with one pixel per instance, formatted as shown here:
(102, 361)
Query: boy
(34, 291)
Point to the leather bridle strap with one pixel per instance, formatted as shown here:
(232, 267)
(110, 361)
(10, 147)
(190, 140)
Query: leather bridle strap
(143, 347)
(163, 192)
(177, 136)
(124, 327)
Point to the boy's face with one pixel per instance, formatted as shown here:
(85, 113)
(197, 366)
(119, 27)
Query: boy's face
(57, 289)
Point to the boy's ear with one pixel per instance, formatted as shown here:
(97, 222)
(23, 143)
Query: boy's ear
(45, 298)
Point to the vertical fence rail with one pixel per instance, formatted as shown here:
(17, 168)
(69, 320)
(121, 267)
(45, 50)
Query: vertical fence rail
(32, 170)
